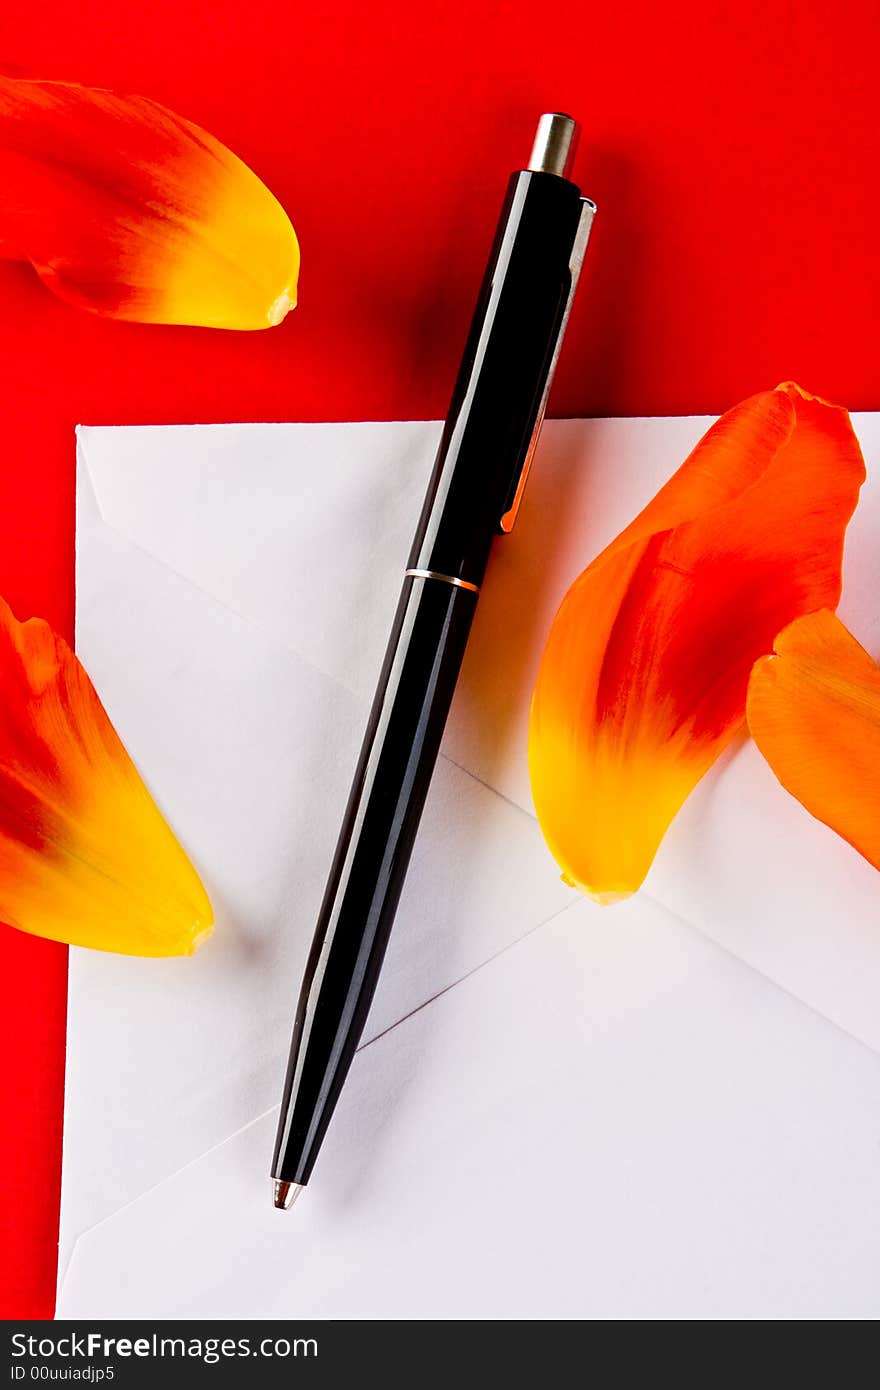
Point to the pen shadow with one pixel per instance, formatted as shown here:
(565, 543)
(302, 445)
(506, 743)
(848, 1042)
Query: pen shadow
(603, 359)
(531, 570)
(605, 340)
(528, 576)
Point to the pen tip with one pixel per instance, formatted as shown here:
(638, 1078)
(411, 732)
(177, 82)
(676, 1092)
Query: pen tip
(286, 1193)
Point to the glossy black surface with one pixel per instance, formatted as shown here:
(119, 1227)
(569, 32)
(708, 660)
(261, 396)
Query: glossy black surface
(391, 782)
(502, 376)
(495, 405)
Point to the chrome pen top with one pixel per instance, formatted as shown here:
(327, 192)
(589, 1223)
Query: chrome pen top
(555, 145)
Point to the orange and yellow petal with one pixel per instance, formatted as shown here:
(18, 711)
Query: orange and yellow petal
(643, 680)
(813, 709)
(85, 855)
(128, 210)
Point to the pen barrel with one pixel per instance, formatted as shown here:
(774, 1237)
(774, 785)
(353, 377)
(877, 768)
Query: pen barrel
(497, 401)
(391, 782)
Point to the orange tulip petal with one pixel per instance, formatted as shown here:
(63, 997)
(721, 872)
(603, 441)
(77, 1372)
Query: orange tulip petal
(85, 855)
(643, 680)
(130, 211)
(814, 711)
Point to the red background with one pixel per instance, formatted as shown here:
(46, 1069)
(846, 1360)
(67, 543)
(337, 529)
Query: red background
(732, 148)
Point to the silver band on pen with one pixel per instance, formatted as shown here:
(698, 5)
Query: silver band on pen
(446, 579)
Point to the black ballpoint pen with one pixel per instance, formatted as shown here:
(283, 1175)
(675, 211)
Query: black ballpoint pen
(475, 489)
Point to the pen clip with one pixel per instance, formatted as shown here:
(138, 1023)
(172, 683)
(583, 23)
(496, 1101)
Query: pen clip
(579, 248)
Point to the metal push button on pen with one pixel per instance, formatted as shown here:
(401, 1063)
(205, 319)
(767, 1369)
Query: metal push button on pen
(555, 144)
(487, 443)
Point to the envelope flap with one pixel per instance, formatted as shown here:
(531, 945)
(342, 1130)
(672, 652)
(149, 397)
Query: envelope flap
(301, 529)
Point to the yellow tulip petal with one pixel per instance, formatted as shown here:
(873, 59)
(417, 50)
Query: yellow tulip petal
(814, 711)
(85, 855)
(643, 680)
(128, 210)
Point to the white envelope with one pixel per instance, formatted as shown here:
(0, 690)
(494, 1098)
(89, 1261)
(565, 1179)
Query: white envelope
(557, 1110)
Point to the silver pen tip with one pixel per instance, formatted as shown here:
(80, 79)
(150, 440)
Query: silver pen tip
(286, 1193)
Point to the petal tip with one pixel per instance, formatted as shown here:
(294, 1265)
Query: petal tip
(796, 392)
(281, 308)
(792, 388)
(604, 897)
(608, 897)
(200, 937)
